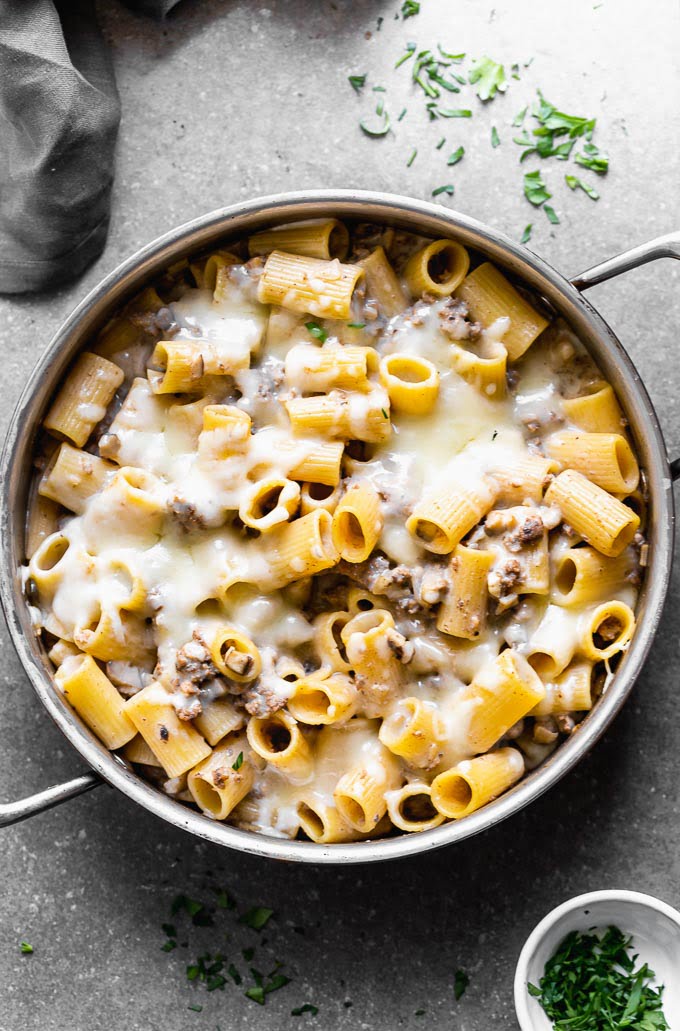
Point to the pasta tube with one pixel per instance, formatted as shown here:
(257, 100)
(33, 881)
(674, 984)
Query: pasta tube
(484, 367)
(463, 611)
(382, 284)
(599, 518)
(410, 808)
(414, 731)
(490, 296)
(525, 479)
(321, 464)
(607, 630)
(226, 431)
(43, 517)
(279, 740)
(338, 414)
(322, 822)
(583, 575)
(82, 401)
(322, 288)
(218, 718)
(95, 699)
(137, 751)
(411, 382)
(474, 783)
(570, 692)
(439, 268)
(440, 521)
(302, 548)
(319, 238)
(314, 369)
(222, 779)
(318, 700)
(328, 643)
(269, 502)
(235, 655)
(357, 523)
(605, 458)
(318, 495)
(176, 743)
(73, 476)
(597, 411)
(501, 693)
(360, 793)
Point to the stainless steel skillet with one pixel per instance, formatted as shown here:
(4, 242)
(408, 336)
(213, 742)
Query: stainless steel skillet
(564, 296)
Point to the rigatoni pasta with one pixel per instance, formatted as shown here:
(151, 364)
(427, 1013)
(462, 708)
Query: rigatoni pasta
(356, 550)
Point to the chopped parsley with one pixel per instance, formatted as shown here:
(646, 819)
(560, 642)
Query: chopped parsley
(403, 112)
(420, 1013)
(256, 917)
(26, 948)
(460, 982)
(443, 189)
(379, 130)
(319, 333)
(591, 982)
(384, 413)
(224, 900)
(264, 985)
(514, 70)
(238, 763)
(409, 9)
(168, 946)
(455, 113)
(196, 910)
(551, 214)
(535, 189)
(248, 953)
(593, 158)
(412, 158)
(489, 77)
(441, 143)
(520, 116)
(356, 325)
(495, 138)
(234, 974)
(195, 1007)
(306, 1008)
(357, 82)
(456, 156)
(410, 51)
(526, 235)
(573, 182)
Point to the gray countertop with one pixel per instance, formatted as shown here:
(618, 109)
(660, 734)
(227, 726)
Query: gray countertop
(228, 100)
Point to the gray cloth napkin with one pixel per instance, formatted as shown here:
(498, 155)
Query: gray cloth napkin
(59, 116)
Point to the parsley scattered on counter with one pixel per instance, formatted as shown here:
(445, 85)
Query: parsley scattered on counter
(317, 331)
(495, 138)
(573, 182)
(441, 143)
(248, 953)
(591, 982)
(553, 125)
(520, 116)
(168, 946)
(256, 917)
(238, 762)
(535, 189)
(234, 974)
(444, 189)
(526, 235)
(489, 77)
(307, 1007)
(456, 156)
(403, 112)
(195, 1008)
(551, 214)
(514, 70)
(410, 51)
(593, 158)
(409, 8)
(26, 948)
(456, 113)
(378, 130)
(264, 984)
(420, 1013)
(357, 82)
(225, 901)
(460, 982)
(412, 158)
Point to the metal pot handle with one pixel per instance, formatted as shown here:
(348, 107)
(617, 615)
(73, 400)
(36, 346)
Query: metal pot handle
(14, 812)
(661, 247)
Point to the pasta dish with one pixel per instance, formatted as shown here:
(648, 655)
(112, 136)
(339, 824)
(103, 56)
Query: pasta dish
(336, 532)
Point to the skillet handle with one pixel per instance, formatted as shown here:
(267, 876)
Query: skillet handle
(14, 812)
(661, 247)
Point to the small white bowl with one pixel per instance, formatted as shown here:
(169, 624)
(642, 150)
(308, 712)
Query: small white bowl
(655, 928)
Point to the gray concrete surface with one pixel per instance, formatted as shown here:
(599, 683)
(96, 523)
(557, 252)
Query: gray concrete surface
(227, 100)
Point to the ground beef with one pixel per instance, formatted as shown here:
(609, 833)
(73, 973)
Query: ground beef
(455, 321)
(401, 648)
(609, 629)
(502, 582)
(260, 700)
(185, 514)
(194, 665)
(530, 530)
